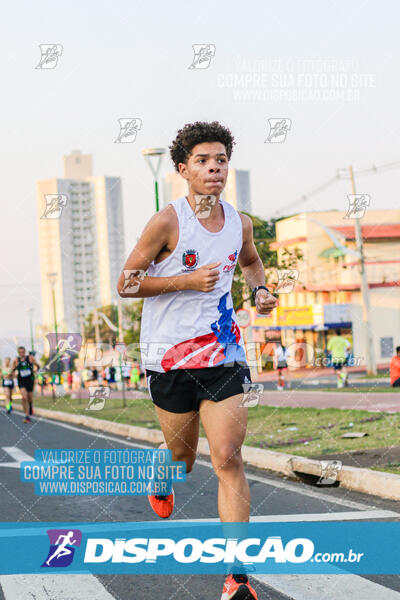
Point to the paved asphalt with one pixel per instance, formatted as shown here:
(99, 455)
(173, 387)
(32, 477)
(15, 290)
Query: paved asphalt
(195, 499)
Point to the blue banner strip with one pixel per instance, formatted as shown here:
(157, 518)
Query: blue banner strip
(200, 547)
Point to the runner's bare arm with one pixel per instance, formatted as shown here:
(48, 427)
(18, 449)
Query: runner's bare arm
(154, 238)
(13, 366)
(249, 261)
(253, 269)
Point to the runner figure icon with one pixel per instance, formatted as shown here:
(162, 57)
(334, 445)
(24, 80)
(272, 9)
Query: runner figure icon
(62, 549)
(66, 349)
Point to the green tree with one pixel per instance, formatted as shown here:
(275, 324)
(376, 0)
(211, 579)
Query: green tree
(132, 316)
(106, 333)
(263, 234)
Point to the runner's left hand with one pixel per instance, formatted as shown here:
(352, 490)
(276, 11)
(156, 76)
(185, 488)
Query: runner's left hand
(265, 302)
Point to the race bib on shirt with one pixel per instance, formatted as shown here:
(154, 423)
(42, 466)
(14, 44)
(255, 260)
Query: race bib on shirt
(25, 372)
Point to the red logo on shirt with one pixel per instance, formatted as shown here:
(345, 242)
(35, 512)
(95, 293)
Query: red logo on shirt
(190, 259)
(232, 257)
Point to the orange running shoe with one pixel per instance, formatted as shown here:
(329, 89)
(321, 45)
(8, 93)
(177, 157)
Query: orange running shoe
(162, 505)
(238, 587)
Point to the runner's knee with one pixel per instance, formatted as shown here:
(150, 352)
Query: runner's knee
(227, 457)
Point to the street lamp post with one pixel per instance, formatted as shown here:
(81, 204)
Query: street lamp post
(30, 311)
(52, 278)
(120, 340)
(158, 153)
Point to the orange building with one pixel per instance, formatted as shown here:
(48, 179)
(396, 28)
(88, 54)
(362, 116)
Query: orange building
(326, 293)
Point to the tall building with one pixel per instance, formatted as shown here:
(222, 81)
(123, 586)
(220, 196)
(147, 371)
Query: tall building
(174, 186)
(236, 192)
(81, 243)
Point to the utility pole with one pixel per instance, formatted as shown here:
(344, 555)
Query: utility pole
(120, 341)
(120, 335)
(365, 301)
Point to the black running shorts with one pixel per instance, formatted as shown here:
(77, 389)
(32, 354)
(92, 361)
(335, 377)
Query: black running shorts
(338, 364)
(27, 383)
(181, 390)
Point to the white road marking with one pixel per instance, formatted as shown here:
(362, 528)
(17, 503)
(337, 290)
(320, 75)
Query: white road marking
(297, 587)
(17, 454)
(327, 587)
(53, 587)
(302, 489)
(334, 516)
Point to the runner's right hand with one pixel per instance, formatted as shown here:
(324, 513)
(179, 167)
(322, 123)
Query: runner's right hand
(204, 278)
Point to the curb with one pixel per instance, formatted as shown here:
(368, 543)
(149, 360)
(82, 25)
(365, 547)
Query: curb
(366, 481)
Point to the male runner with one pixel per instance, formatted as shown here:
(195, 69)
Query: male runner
(8, 383)
(191, 344)
(339, 346)
(24, 365)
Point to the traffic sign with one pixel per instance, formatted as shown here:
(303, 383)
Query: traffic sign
(243, 317)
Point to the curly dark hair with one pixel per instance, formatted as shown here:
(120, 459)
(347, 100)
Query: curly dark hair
(197, 133)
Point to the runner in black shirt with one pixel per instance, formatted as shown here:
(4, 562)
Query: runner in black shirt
(24, 365)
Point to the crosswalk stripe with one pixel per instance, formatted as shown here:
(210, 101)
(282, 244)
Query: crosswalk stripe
(327, 587)
(354, 515)
(62, 587)
(17, 454)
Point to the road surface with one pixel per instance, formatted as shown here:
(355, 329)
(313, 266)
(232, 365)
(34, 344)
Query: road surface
(272, 497)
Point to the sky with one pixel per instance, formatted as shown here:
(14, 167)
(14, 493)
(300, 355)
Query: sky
(330, 68)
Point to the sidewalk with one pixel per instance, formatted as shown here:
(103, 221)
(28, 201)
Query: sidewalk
(375, 401)
(364, 480)
(315, 372)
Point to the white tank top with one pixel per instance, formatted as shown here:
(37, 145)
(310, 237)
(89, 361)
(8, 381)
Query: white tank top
(190, 329)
